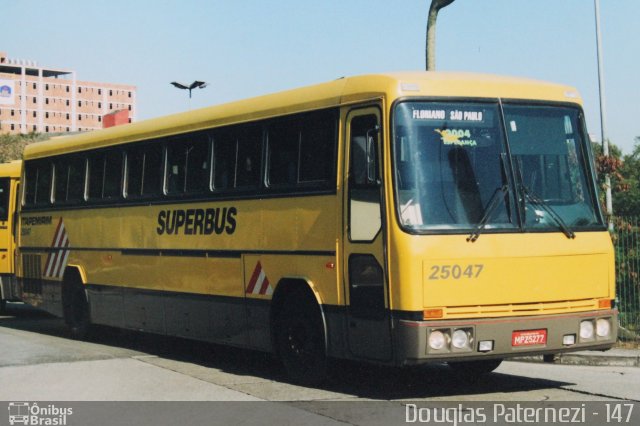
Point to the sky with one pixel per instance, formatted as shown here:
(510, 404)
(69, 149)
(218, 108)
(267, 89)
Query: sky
(246, 48)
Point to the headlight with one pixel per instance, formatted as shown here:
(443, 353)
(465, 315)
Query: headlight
(603, 327)
(586, 330)
(437, 340)
(460, 339)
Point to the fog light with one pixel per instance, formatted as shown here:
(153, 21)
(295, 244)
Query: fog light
(460, 339)
(569, 339)
(603, 327)
(437, 340)
(485, 346)
(586, 330)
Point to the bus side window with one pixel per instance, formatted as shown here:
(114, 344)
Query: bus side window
(43, 183)
(248, 166)
(176, 166)
(224, 160)
(198, 165)
(318, 147)
(112, 188)
(96, 176)
(283, 139)
(5, 185)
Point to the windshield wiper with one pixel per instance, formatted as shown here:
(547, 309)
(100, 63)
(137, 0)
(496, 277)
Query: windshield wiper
(488, 211)
(534, 199)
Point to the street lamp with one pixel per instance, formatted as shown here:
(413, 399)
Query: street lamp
(603, 127)
(195, 85)
(430, 47)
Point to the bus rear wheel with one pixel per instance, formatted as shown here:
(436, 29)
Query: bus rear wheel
(3, 306)
(473, 370)
(300, 341)
(76, 307)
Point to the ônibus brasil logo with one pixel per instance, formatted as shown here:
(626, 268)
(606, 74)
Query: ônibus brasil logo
(31, 414)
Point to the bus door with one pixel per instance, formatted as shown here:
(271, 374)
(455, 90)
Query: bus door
(369, 333)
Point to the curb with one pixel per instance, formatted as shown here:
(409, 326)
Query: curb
(619, 358)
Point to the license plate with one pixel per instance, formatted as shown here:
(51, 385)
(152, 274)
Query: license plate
(529, 337)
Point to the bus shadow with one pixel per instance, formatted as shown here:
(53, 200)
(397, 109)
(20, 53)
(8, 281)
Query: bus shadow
(346, 377)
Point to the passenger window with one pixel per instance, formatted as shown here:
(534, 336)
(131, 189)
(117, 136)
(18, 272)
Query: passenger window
(224, 155)
(188, 165)
(144, 170)
(248, 166)
(318, 147)
(283, 140)
(43, 183)
(112, 175)
(96, 176)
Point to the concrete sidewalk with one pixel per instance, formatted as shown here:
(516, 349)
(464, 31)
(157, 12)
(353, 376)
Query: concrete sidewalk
(617, 357)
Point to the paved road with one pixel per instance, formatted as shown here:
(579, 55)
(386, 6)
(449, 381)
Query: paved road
(37, 362)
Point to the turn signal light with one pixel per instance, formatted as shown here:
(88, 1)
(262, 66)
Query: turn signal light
(432, 313)
(604, 303)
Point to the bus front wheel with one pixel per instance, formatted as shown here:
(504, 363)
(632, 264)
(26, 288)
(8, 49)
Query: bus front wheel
(300, 341)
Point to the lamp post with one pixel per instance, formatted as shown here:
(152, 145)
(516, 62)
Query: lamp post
(195, 85)
(603, 127)
(430, 48)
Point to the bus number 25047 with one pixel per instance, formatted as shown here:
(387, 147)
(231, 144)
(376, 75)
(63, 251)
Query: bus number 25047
(444, 272)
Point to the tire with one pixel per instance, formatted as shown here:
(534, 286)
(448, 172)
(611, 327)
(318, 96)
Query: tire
(76, 308)
(472, 370)
(300, 341)
(3, 306)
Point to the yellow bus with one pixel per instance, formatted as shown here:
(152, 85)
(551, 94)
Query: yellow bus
(396, 218)
(9, 183)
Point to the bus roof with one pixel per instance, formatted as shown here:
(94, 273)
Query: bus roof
(331, 94)
(11, 169)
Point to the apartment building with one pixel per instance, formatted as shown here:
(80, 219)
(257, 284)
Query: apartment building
(52, 100)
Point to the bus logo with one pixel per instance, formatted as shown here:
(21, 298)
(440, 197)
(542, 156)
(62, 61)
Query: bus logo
(58, 256)
(19, 413)
(259, 283)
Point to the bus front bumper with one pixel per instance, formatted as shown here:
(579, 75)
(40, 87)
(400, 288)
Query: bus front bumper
(473, 339)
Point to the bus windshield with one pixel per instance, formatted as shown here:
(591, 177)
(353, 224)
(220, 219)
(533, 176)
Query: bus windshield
(457, 169)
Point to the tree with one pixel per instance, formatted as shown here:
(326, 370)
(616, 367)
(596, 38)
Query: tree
(11, 146)
(430, 50)
(626, 199)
